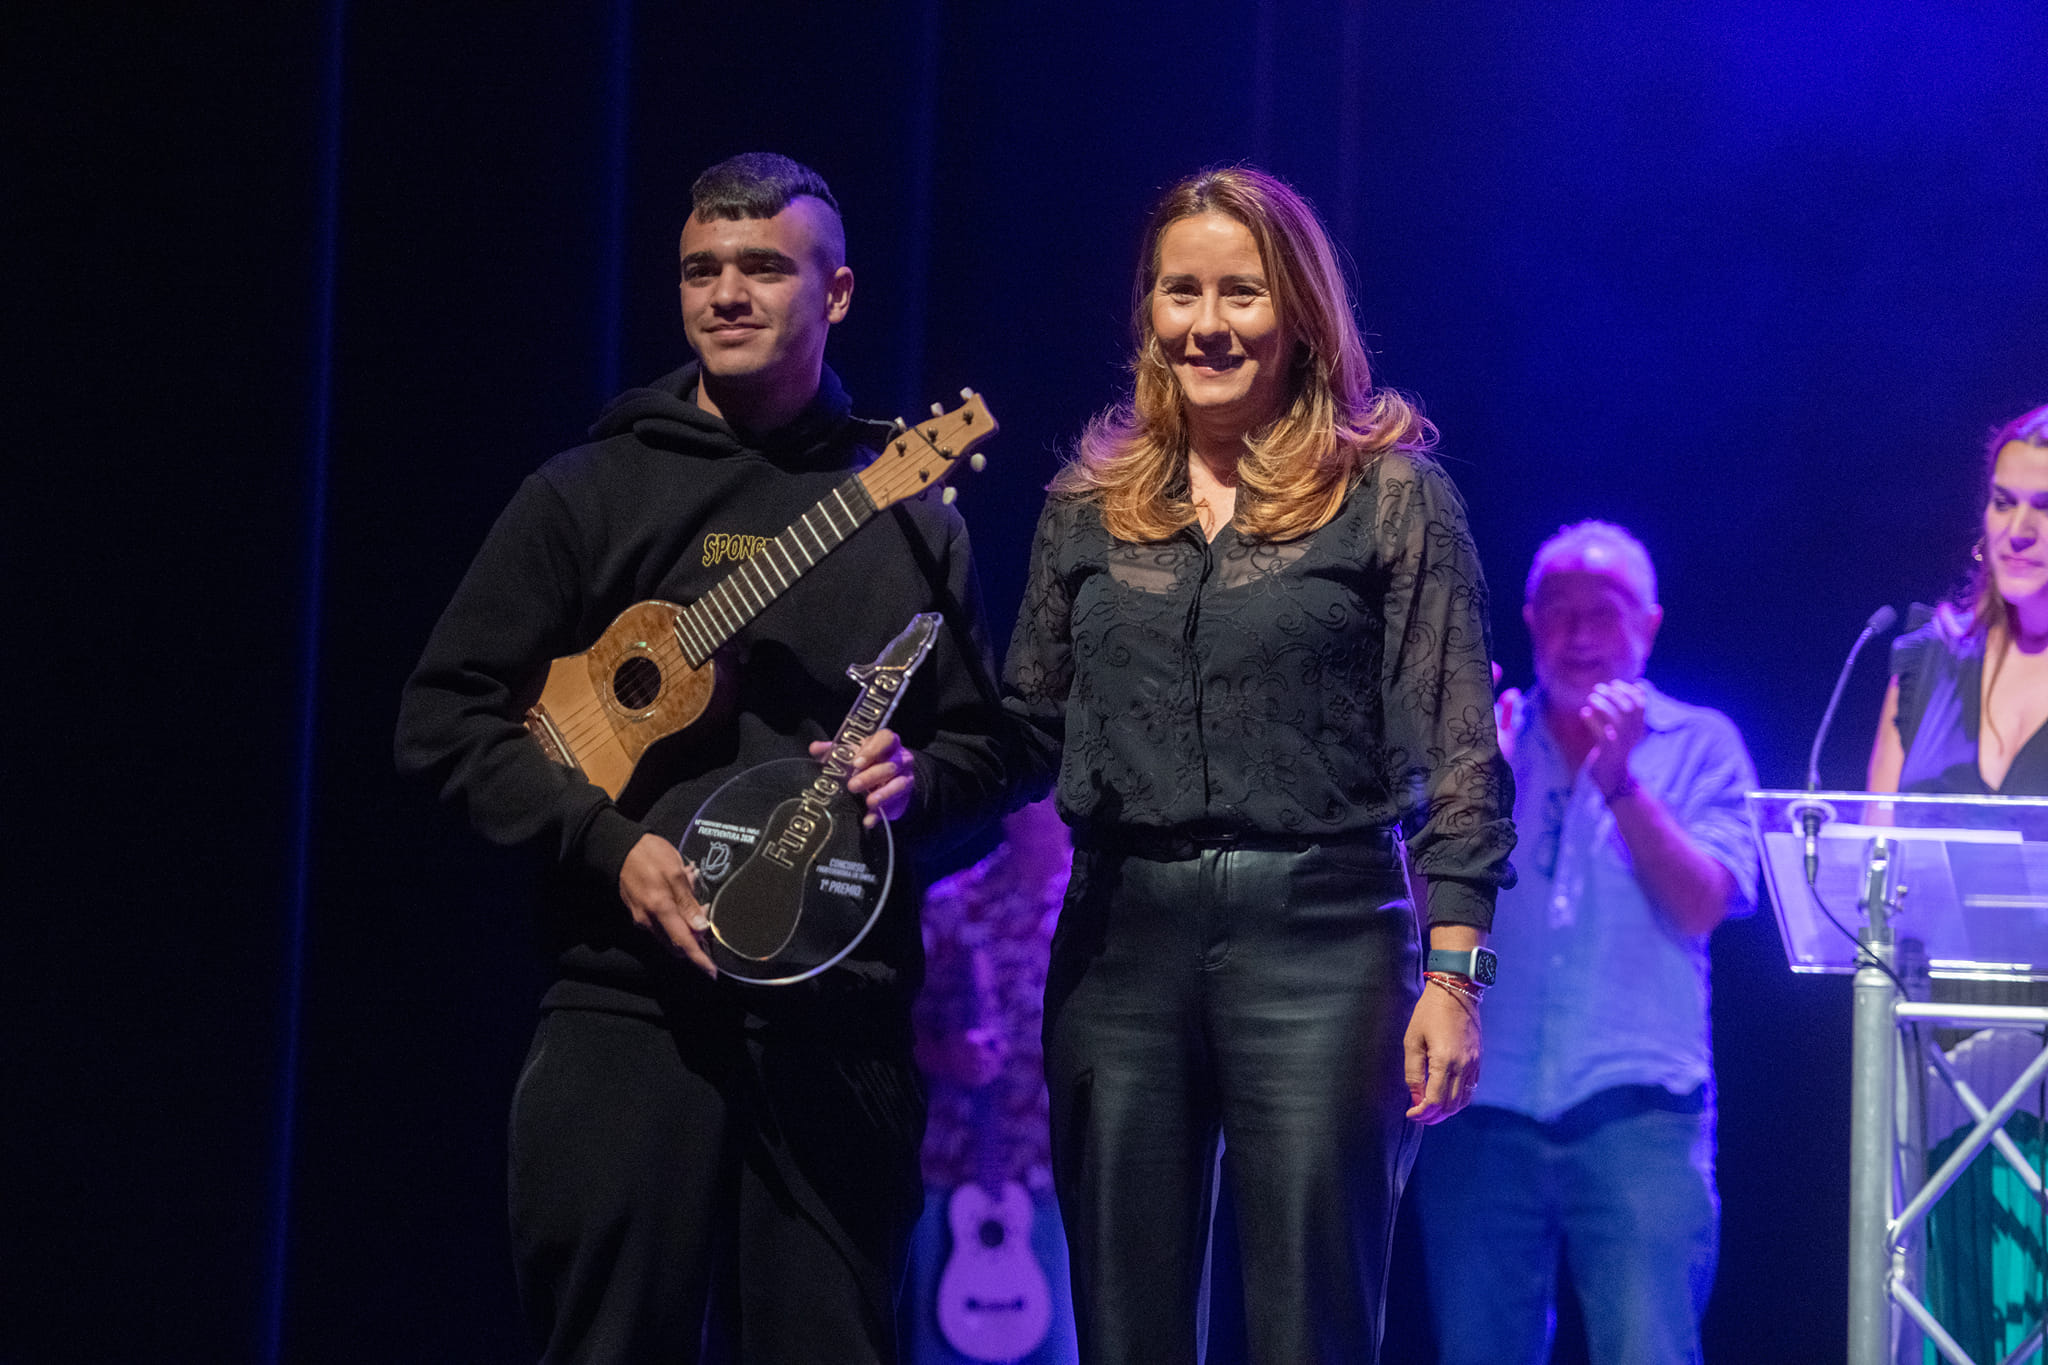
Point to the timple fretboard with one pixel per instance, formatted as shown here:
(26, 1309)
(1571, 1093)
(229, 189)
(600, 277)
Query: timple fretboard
(705, 625)
(914, 459)
(651, 673)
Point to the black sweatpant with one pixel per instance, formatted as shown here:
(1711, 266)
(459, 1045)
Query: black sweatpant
(721, 1190)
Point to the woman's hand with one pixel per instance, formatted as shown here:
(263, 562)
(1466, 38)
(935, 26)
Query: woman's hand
(882, 769)
(1443, 1054)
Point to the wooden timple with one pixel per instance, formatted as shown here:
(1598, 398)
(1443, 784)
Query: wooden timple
(602, 709)
(653, 673)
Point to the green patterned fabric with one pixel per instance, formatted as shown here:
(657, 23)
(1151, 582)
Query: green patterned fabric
(1987, 1249)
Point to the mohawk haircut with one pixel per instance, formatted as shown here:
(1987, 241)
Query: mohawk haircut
(756, 185)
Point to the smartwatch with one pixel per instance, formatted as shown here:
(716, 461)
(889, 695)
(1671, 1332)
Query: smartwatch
(1477, 965)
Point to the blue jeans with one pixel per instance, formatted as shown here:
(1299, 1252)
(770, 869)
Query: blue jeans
(1631, 1204)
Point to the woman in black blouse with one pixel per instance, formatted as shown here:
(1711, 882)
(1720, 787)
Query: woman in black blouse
(1254, 641)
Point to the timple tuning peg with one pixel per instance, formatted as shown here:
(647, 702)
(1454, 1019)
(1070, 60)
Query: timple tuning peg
(977, 462)
(950, 495)
(967, 394)
(938, 409)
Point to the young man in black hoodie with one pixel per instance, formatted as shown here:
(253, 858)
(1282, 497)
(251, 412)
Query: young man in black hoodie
(698, 1164)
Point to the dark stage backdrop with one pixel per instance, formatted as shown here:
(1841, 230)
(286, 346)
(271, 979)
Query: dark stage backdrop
(1754, 280)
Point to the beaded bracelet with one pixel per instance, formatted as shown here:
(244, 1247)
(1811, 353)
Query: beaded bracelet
(1456, 985)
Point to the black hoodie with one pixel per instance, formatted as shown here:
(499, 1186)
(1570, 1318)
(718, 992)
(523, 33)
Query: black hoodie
(661, 504)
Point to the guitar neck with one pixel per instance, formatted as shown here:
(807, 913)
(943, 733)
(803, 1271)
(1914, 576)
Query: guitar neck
(915, 458)
(704, 626)
(986, 1136)
(987, 1145)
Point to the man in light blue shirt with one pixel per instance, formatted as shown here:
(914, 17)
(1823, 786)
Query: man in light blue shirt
(1593, 1129)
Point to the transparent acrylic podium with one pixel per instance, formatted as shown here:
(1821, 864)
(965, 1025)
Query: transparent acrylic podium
(1904, 889)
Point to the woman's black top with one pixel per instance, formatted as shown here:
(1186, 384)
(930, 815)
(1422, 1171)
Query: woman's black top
(1316, 688)
(1941, 701)
(1941, 709)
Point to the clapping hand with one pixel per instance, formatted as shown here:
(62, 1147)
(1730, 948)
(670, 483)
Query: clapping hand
(1614, 713)
(1508, 709)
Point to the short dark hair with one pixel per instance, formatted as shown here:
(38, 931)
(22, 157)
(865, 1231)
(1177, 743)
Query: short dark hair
(756, 185)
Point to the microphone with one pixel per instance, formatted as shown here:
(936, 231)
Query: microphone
(1813, 814)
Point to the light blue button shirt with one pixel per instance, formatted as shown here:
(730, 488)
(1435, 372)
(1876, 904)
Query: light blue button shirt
(1596, 988)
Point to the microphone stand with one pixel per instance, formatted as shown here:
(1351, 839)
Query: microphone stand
(1814, 814)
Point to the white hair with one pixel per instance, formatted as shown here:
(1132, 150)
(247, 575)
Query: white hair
(1599, 545)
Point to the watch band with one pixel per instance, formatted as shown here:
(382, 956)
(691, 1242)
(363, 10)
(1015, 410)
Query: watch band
(1480, 966)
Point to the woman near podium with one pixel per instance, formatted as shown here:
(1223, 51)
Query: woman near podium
(1964, 716)
(1969, 689)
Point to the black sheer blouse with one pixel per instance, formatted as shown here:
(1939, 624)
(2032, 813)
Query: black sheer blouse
(1318, 687)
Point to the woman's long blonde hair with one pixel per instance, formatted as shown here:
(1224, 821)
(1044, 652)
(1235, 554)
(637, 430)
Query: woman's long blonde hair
(1295, 471)
(1978, 612)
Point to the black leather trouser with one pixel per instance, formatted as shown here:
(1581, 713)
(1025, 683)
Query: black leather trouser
(1262, 994)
